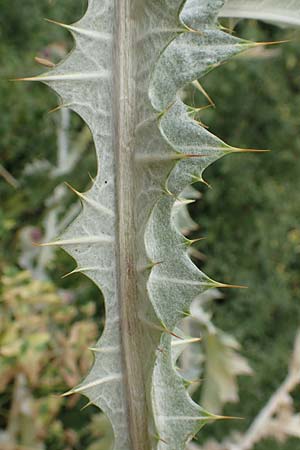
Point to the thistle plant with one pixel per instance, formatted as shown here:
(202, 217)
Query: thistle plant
(124, 77)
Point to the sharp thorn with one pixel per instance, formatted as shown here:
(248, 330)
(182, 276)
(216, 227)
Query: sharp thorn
(229, 286)
(186, 341)
(201, 180)
(86, 406)
(37, 244)
(161, 328)
(45, 244)
(85, 32)
(184, 313)
(149, 266)
(193, 110)
(206, 183)
(68, 393)
(217, 417)
(160, 439)
(201, 124)
(154, 264)
(44, 62)
(70, 273)
(201, 89)
(55, 22)
(273, 42)
(78, 241)
(194, 382)
(26, 79)
(190, 242)
(58, 108)
(80, 270)
(93, 180)
(173, 334)
(226, 29)
(93, 349)
(73, 189)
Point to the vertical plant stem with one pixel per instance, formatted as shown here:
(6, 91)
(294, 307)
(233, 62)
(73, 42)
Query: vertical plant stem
(132, 331)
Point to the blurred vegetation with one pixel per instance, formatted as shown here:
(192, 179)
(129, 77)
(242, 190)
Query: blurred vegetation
(44, 336)
(250, 217)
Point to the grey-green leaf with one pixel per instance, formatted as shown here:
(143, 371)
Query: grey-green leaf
(199, 15)
(130, 60)
(187, 58)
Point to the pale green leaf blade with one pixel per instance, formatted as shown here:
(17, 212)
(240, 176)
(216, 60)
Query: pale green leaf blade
(198, 15)
(177, 417)
(126, 238)
(187, 58)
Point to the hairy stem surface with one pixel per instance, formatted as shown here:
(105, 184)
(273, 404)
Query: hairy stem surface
(131, 328)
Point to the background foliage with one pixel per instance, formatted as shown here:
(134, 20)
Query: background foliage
(250, 218)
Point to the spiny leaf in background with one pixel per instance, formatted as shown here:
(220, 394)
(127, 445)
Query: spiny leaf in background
(220, 363)
(223, 364)
(130, 61)
(277, 419)
(275, 11)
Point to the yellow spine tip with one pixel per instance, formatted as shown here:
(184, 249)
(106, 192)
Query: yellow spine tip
(37, 244)
(285, 41)
(55, 22)
(217, 417)
(190, 242)
(68, 393)
(44, 62)
(72, 189)
(57, 108)
(25, 79)
(86, 406)
(172, 334)
(69, 274)
(206, 183)
(230, 286)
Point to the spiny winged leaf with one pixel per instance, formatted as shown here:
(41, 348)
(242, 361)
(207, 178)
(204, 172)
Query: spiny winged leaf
(130, 60)
(182, 218)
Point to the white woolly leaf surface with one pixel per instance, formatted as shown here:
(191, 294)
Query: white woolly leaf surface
(131, 58)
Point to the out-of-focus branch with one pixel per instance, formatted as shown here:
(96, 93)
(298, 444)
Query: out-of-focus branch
(8, 177)
(262, 425)
(20, 426)
(276, 419)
